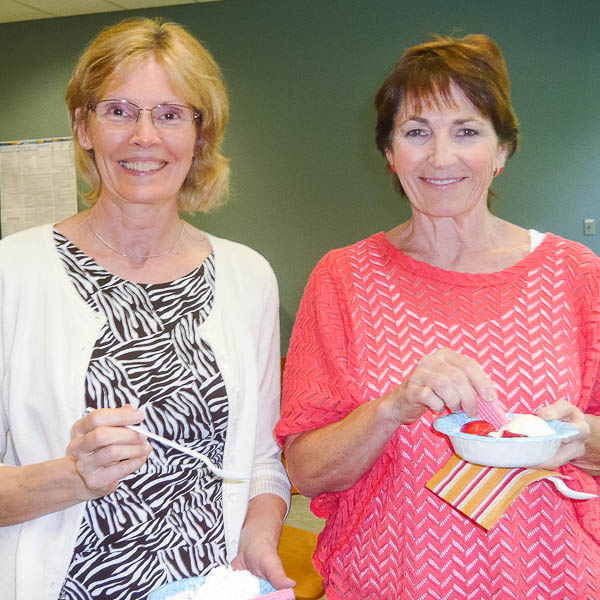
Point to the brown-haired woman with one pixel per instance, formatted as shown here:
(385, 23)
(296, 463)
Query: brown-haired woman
(125, 314)
(452, 306)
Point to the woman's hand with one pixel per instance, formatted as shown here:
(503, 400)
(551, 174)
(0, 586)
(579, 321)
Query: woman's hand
(334, 457)
(573, 449)
(443, 379)
(104, 451)
(259, 539)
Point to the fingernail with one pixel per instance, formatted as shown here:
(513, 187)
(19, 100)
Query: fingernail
(490, 395)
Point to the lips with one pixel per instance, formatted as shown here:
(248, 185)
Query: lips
(448, 181)
(142, 166)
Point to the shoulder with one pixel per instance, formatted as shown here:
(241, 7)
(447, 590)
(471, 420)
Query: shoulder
(25, 246)
(575, 254)
(340, 262)
(33, 235)
(575, 265)
(240, 260)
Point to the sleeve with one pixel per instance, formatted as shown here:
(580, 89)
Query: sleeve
(7, 450)
(590, 383)
(588, 512)
(3, 375)
(318, 388)
(268, 474)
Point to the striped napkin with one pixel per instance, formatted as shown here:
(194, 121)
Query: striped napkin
(481, 493)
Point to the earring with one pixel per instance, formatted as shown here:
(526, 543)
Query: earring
(497, 171)
(393, 168)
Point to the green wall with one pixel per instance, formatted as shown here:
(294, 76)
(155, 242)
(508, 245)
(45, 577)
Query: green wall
(302, 75)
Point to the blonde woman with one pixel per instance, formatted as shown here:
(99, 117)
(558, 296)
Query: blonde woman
(124, 314)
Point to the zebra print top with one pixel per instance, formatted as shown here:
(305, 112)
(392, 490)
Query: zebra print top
(165, 521)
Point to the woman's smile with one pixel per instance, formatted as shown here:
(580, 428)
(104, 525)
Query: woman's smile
(142, 166)
(442, 182)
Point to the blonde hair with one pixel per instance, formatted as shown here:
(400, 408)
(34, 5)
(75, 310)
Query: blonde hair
(194, 74)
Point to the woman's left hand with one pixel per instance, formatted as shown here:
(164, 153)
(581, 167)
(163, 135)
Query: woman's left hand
(574, 448)
(259, 540)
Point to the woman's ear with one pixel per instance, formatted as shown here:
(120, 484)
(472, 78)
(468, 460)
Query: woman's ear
(501, 157)
(81, 130)
(390, 159)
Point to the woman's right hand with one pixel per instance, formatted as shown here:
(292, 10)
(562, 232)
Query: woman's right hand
(104, 451)
(332, 458)
(440, 380)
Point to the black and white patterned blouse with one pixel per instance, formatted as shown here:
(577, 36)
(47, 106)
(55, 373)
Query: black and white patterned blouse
(165, 521)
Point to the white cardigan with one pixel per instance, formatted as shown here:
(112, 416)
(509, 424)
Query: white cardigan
(47, 333)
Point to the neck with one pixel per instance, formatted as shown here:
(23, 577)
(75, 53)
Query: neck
(134, 236)
(485, 245)
(474, 230)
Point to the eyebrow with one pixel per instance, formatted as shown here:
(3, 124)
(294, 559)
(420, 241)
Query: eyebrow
(455, 122)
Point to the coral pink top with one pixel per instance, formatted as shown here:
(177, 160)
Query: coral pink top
(369, 313)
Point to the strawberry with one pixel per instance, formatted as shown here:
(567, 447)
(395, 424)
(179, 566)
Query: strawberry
(478, 427)
(510, 434)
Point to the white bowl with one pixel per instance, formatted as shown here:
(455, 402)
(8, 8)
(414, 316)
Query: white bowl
(502, 452)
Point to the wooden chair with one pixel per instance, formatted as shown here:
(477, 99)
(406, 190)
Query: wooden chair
(296, 547)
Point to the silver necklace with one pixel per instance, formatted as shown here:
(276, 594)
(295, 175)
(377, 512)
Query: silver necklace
(147, 256)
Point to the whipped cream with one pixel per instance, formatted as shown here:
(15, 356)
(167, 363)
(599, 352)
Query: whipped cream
(223, 583)
(529, 425)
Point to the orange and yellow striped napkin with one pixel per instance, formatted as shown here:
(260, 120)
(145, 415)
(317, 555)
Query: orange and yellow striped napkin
(481, 493)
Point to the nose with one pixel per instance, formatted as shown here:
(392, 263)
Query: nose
(144, 133)
(441, 151)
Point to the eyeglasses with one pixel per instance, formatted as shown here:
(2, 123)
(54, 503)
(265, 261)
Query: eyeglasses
(123, 114)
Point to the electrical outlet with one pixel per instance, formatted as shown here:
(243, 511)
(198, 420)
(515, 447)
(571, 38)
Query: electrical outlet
(589, 227)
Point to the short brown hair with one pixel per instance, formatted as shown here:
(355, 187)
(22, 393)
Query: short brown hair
(424, 75)
(193, 73)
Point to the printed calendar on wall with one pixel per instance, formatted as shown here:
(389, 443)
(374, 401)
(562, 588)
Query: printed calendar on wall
(38, 183)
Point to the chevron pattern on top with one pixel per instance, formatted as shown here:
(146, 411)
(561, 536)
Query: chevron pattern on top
(369, 313)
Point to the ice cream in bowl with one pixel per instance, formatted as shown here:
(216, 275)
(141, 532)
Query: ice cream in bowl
(222, 583)
(525, 441)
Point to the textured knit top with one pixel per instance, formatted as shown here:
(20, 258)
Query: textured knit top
(369, 313)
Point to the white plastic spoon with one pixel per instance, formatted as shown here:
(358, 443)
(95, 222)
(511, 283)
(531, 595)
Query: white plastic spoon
(222, 473)
(562, 487)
